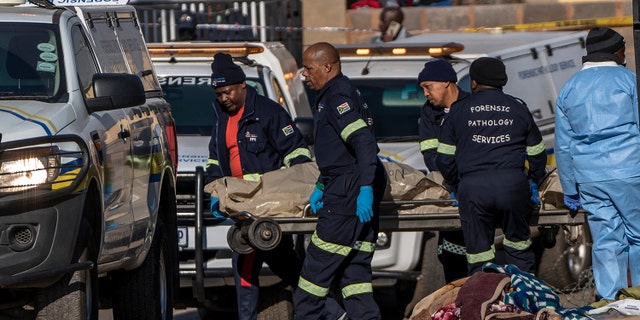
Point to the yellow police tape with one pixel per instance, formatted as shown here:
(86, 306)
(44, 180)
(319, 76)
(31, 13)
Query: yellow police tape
(624, 21)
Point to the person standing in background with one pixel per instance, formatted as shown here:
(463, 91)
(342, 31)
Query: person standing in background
(597, 148)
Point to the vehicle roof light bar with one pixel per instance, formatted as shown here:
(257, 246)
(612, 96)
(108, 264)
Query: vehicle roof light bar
(202, 49)
(408, 49)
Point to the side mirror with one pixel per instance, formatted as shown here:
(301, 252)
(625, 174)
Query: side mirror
(305, 125)
(115, 91)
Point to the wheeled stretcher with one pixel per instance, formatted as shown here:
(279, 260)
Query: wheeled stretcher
(277, 205)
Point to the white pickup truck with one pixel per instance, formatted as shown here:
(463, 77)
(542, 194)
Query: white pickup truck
(87, 166)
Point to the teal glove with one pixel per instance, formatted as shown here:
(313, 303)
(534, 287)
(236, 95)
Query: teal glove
(572, 202)
(452, 196)
(315, 200)
(364, 204)
(215, 208)
(534, 193)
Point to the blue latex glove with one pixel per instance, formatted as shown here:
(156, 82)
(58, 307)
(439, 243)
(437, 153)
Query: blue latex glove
(452, 196)
(364, 203)
(215, 208)
(572, 202)
(315, 200)
(535, 194)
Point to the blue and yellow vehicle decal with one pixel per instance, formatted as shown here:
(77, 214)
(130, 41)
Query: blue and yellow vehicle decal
(46, 124)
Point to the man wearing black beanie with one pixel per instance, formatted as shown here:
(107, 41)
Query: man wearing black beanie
(482, 149)
(438, 82)
(597, 148)
(252, 135)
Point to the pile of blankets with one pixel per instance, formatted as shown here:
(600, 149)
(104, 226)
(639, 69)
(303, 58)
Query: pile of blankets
(497, 292)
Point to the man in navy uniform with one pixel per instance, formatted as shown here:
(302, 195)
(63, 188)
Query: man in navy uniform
(347, 194)
(438, 82)
(482, 149)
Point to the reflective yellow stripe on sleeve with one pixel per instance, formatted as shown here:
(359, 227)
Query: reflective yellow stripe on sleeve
(212, 162)
(312, 288)
(357, 288)
(482, 256)
(537, 149)
(518, 245)
(296, 153)
(252, 177)
(428, 144)
(351, 128)
(446, 149)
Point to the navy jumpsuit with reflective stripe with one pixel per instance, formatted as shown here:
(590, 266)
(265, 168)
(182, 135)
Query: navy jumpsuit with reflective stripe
(267, 140)
(483, 146)
(341, 248)
(451, 248)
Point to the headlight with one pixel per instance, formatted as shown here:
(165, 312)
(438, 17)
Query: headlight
(25, 169)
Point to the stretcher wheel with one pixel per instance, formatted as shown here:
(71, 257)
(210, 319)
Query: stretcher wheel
(265, 234)
(237, 242)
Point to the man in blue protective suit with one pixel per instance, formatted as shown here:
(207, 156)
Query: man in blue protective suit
(347, 194)
(482, 149)
(438, 82)
(252, 135)
(597, 148)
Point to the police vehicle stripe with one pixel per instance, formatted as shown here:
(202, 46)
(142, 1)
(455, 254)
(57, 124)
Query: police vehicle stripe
(446, 148)
(351, 128)
(518, 245)
(428, 144)
(46, 124)
(312, 288)
(537, 149)
(482, 256)
(296, 153)
(357, 288)
(212, 162)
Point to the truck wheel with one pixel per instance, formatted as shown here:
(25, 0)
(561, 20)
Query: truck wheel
(564, 265)
(147, 291)
(75, 296)
(431, 273)
(265, 234)
(276, 303)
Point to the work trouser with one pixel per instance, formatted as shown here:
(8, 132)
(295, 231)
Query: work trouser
(283, 262)
(496, 198)
(341, 249)
(613, 209)
(452, 254)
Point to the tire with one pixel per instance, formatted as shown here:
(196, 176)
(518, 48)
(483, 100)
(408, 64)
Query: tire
(564, 265)
(147, 291)
(276, 303)
(431, 273)
(74, 296)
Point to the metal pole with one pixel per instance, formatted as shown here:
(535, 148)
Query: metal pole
(263, 22)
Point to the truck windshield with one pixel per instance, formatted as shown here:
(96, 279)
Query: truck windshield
(30, 61)
(191, 104)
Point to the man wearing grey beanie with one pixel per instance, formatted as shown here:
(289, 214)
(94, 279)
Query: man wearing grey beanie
(597, 150)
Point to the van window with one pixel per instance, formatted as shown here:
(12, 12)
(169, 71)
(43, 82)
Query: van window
(191, 104)
(30, 61)
(395, 106)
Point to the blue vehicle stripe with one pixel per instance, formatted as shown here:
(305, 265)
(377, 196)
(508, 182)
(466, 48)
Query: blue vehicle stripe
(40, 123)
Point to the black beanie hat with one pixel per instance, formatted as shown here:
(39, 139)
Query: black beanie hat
(225, 72)
(437, 70)
(488, 71)
(604, 40)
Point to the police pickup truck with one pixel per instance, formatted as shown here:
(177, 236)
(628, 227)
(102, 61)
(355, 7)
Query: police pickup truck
(87, 166)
